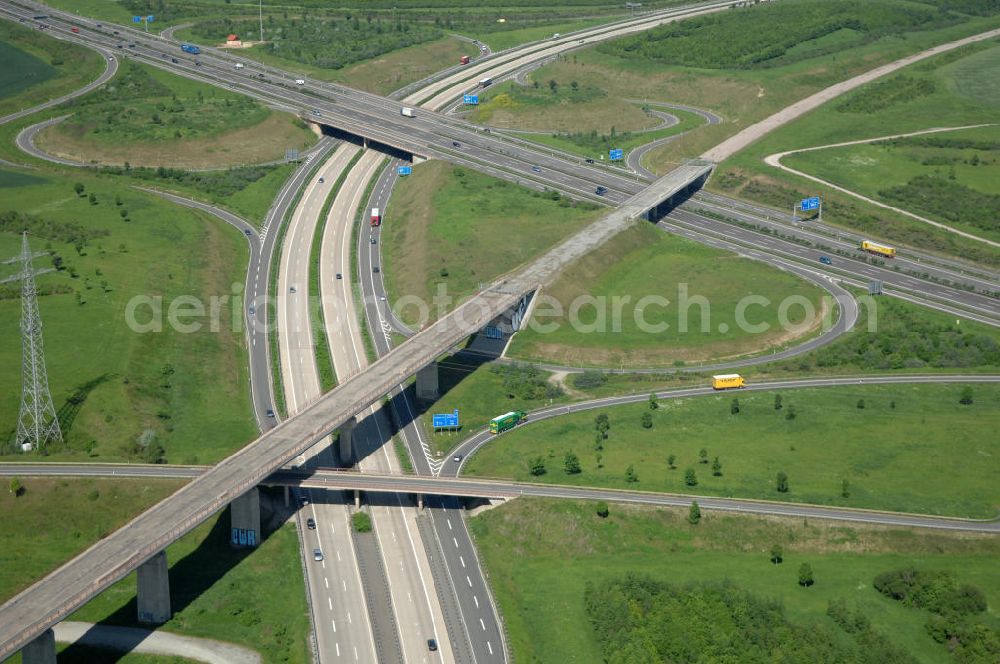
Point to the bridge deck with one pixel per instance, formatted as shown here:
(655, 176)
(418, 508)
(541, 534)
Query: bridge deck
(54, 597)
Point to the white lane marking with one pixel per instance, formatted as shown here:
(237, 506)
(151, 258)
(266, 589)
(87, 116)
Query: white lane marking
(330, 602)
(334, 623)
(338, 555)
(482, 624)
(490, 647)
(475, 599)
(326, 582)
(355, 653)
(468, 580)
(349, 618)
(344, 584)
(338, 648)
(449, 524)
(461, 560)
(455, 541)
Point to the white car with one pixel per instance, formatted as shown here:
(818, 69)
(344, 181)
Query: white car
(317, 555)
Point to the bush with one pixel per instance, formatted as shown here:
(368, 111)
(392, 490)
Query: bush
(602, 509)
(938, 592)
(588, 379)
(526, 382)
(362, 522)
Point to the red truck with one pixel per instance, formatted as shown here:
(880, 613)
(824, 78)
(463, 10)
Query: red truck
(464, 60)
(75, 29)
(376, 217)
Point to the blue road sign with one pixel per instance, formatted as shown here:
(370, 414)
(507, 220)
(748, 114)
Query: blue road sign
(470, 100)
(137, 19)
(445, 421)
(404, 170)
(493, 332)
(616, 155)
(149, 19)
(809, 203)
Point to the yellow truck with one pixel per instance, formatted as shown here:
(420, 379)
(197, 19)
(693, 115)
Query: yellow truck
(878, 249)
(727, 381)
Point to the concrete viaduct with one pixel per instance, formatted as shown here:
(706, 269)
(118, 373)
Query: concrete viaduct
(26, 619)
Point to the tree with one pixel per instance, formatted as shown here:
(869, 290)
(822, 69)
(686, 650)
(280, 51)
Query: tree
(118, 199)
(574, 84)
(717, 467)
(671, 458)
(861, 404)
(537, 466)
(92, 198)
(734, 408)
(805, 575)
(690, 478)
(602, 509)
(694, 514)
(630, 475)
(598, 441)
(78, 188)
(777, 554)
(845, 489)
(572, 464)
(703, 455)
(602, 424)
(362, 522)
(123, 213)
(15, 487)
(653, 402)
(647, 421)
(777, 402)
(966, 397)
(553, 85)
(782, 482)
(790, 413)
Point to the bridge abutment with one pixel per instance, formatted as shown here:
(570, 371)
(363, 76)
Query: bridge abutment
(153, 590)
(42, 650)
(427, 383)
(244, 519)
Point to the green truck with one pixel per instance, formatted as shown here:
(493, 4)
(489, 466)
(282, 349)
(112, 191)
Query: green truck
(507, 421)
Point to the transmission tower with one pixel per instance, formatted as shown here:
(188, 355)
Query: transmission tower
(37, 423)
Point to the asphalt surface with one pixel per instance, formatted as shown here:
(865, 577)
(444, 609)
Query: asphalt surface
(25, 141)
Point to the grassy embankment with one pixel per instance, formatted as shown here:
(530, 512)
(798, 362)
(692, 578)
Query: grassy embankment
(120, 393)
(903, 448)
(148, 117)
(452, 228)
(38, 68)
(540, 555)
(644, 262)
(948, 177)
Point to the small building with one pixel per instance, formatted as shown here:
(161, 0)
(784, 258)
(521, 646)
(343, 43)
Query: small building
(233, 40)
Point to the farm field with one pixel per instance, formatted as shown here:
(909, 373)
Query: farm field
(702, 287)
(451, 228)
(149, 117)
(38, 68)
(178, 394)
(902, 447)
(542, 555)
(932, 175)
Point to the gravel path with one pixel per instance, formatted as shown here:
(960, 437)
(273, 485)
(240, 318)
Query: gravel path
(735, 143)
(775, 160)
(133, 639)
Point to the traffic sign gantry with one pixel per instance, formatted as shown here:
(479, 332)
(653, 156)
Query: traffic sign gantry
(446, 420)
(470, 100)
(809, 203)
(616, 154)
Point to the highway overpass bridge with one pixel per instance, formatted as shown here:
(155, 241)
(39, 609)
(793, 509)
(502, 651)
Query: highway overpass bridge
(140, 544)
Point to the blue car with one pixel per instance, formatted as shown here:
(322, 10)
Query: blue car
(825, 260)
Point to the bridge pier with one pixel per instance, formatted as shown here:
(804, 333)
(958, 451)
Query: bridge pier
(345, 450)
(153, 590)
(42, 650)
(357, 499)
(420, 501)
(427, 383)
(244, 519)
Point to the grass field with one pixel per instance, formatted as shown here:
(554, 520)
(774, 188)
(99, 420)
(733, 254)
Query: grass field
(906, 449)
(255, 598)
(55, 519)
(540, 554)
(922, 96)
(38, 68)
(596, 145)
(645, 262)
(450, 228)
(117, 390)
(148, 117)
(937, 177)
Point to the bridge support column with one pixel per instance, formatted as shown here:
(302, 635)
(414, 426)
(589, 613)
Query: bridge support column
(420, 501)
(345, 450)
(153, 590)
(244, 519)
(288, 493)
(427, 383)
(417, 159)
(42, 650)
(357, 499)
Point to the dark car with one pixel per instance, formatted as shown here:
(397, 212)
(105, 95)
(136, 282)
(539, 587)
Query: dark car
(589, 160)
(375, 269)
(456, 144)
(340, 276)
(825, 260)
(247, 231)
(374, 241)
(536, 169)
(311, 523)
(270, 413)
(600, 191)
(173, 60)
(432, 645)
